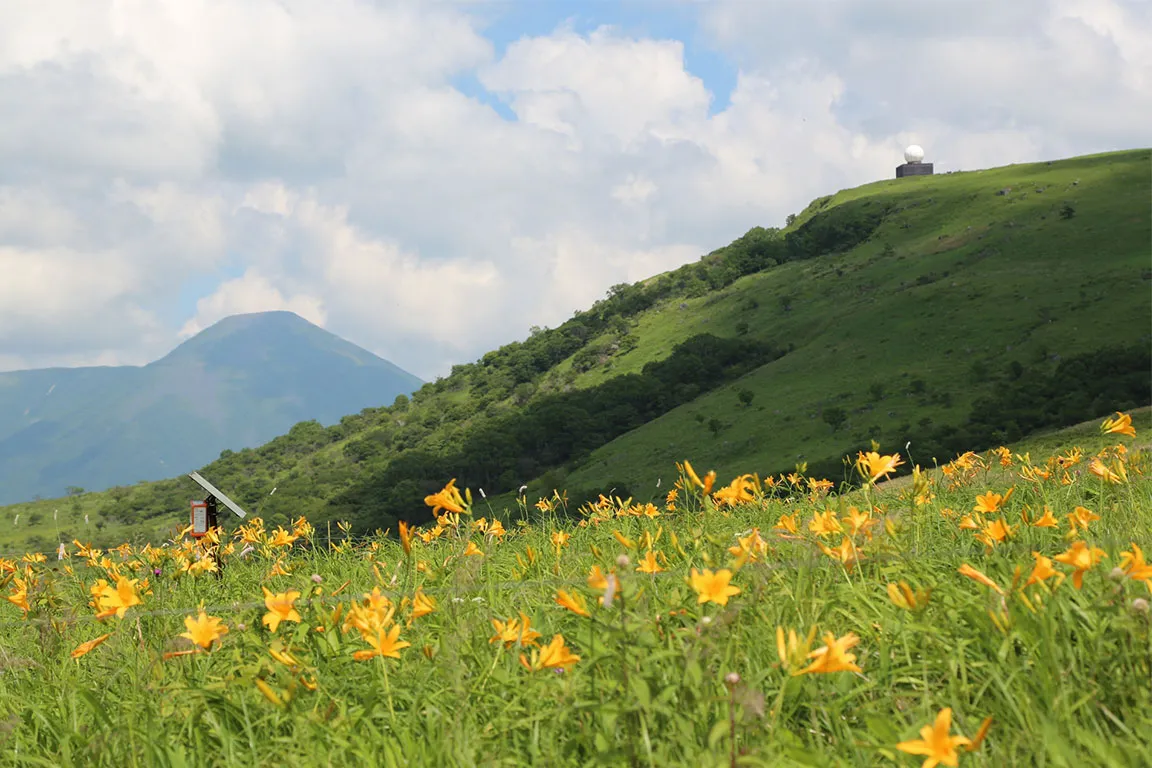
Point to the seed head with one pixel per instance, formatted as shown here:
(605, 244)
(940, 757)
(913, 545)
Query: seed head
(1140, 605)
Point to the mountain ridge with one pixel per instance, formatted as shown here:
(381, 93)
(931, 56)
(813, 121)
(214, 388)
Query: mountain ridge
(236, 384)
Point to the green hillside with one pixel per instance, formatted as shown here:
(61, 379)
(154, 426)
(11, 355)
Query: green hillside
(953, 311)
(917, 323)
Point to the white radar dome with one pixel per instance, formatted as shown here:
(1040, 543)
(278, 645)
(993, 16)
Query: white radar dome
(913, 154)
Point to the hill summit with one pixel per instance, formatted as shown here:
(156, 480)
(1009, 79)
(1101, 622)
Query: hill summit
(237, 384)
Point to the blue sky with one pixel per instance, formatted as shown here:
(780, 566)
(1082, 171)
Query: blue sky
(506, 22)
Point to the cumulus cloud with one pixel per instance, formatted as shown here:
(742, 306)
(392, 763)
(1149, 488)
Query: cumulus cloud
(327, 154)
(987, 78)
(250, 293)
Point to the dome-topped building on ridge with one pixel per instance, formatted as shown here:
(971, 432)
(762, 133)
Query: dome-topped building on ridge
(914, 164)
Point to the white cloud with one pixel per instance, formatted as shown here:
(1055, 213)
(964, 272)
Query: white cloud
(1067, 76)
(251, 292)
(602, 86)
(634, 190)
(325, 152)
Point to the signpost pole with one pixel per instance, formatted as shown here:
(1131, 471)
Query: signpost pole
(214, 525)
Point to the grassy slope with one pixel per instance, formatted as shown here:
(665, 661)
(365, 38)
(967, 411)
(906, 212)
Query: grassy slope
(1022, 279)
(1020, 282)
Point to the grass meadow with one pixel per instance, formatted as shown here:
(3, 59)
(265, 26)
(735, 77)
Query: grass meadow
(991, 612)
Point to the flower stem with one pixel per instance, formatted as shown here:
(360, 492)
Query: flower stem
(388, 690)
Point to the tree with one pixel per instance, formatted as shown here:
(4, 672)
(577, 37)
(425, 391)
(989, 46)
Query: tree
(835, 417)
(745, 396)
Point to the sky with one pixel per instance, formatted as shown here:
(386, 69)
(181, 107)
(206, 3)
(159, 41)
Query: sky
(430, 179)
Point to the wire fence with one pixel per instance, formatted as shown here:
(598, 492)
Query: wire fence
(452, 592)
(70, 547)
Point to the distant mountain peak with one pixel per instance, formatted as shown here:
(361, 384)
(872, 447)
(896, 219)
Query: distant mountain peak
(236, 338)
(238, 383)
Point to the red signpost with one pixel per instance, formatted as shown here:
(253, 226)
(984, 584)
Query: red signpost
(199, 519)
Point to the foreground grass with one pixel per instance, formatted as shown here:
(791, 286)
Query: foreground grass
(1063, 669)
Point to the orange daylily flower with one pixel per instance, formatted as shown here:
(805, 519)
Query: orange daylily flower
(1081, 557)
(858, 521)
(1133, 564)
(385, 643)
(648, 563)
(794, 652)
(84, 648)
(1121, 425)
(19, 596)
(555, 655)
(833, 656)
(573, 602)
(281, 538)
(560, 540)
(845, 552)
(788, 524)
(422, 605)
(204, 629)
(115, 600)
(872, 466)
(936, 743)
(514, 632)
(625, 542)
(741, 490)
(825, 523)
(972, 573)
(713, 587)
(989, 503)
(1048, 520)
(1079, 518)
(405, 536)
(706, 483)
(749, 548)
(968, 523)
(280, 608)
(1106, 473)
(1042, 571)
(994, 533)
(448, 498)
(902, 596)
